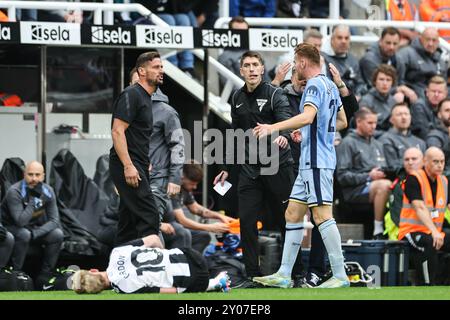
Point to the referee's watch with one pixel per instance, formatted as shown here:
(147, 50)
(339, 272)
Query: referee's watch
(341, 85)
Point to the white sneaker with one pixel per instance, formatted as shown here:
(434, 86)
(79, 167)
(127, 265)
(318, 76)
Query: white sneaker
(334, 282)
(222, 282)
(274, 280)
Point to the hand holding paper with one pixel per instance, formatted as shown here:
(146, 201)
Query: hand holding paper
(222, 189)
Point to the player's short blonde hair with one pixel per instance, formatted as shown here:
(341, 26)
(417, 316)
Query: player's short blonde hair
(84, 281)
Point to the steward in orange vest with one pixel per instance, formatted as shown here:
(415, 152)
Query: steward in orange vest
(436, 11)
(3, 17)
(425, 200)
(401, 10)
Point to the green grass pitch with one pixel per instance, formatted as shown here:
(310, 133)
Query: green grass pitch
(384, 293)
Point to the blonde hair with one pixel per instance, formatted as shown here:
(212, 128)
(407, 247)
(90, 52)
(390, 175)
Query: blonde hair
(84, 281)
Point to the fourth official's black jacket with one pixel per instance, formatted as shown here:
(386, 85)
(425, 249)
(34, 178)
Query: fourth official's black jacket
(267, 104)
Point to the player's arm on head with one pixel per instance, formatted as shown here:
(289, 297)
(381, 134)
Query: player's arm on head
(341, 120)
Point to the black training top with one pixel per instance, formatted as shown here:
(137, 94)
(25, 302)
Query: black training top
(413, 191)
(134, 106)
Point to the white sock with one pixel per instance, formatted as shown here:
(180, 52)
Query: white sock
(292, 243)
(378, 227)
(332, 240)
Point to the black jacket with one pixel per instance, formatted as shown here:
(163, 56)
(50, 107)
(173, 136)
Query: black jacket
(266, 104)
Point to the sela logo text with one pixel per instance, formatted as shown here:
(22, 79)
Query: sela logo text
(45, 33)
(153, 36)
(5, 33)
(269, 40)
(214, 39)
(100, 35)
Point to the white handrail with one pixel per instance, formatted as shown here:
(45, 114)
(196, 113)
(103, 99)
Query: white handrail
(95, 7)
(98, 9)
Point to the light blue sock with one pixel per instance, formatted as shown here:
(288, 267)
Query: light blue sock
(332, 240)
(292, 243)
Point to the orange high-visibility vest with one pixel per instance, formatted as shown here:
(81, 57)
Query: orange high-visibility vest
(396, 14)
(3, 17)
(409, 221)
(436, 11)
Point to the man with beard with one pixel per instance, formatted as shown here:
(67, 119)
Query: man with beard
(439, 137)
(132, 125)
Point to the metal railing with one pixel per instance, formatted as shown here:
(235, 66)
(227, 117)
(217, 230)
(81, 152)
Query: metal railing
(100, 8)
(232, 80)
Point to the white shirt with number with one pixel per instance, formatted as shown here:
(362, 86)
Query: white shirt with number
(141, 269)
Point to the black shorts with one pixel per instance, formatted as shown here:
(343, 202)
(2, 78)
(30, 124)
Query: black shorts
(198, 267)
(359, 194)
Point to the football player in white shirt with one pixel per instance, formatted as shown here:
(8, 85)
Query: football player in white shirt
(142, 266)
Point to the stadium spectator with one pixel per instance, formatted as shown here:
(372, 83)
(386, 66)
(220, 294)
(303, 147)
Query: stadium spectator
(230, 58)
(147, 268)
(382, 97)
(3, 17)
(382, 52)
(291, 9)
(192, 176)
(421, 60)
(399, 137)
(439, 136)
(412, 162)
(402, 10)
(321, 8)
(345, 62)
(175, 13)
(75, 16)
(359, 168)
(423, 112)
(422, 216)
(253, 8)
(30, 213)
(26, 14)
(207, 12)
(436, 11)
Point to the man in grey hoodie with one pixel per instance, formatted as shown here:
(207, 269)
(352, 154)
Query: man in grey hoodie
(382, 52)
(422, 60)
(424, 111)
(359, 161)
(439, 137)
(399, 138)
(382, 97)
(345, 62)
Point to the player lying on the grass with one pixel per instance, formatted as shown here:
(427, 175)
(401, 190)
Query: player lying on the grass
(141, 266)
